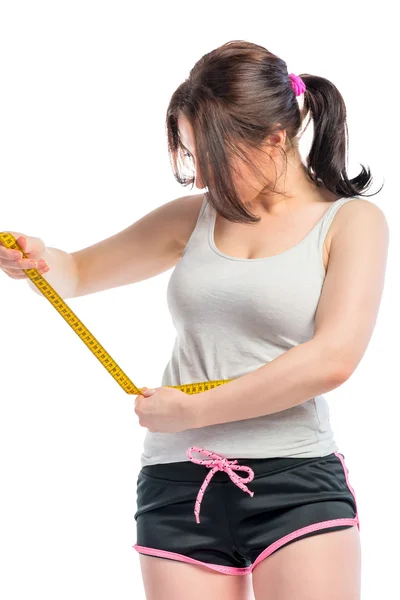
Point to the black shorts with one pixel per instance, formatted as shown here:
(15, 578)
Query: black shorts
(239, 525)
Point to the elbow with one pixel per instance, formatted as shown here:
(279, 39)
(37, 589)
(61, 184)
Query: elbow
(340, 374)
(336, 365)
(341, 369)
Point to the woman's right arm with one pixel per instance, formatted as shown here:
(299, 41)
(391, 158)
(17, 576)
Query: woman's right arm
(148, 247)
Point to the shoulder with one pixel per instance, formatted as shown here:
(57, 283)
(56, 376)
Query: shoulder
(188, 208)
(358, 217)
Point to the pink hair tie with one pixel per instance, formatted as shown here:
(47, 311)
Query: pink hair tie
(298, 84)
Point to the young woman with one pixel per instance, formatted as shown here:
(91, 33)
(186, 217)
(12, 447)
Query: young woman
(279, 273)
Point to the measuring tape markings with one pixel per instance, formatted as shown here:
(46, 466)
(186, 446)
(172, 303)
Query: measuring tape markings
(88, 338)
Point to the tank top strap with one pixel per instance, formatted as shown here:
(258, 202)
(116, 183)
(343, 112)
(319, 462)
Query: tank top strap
(197, 236)
(328, 217)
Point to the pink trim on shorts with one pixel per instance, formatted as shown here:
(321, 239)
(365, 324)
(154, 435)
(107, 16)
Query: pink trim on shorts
(346, 473)
(222, 464)
(264, 554)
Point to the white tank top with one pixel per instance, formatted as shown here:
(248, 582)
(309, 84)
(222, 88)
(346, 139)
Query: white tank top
(232, 316)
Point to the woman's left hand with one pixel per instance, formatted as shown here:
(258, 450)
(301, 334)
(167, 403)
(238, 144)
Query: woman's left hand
(164, 410)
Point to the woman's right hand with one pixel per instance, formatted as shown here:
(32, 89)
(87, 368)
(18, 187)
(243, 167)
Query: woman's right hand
(12, 262)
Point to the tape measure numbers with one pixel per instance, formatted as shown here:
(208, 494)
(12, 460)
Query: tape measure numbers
(88, 338)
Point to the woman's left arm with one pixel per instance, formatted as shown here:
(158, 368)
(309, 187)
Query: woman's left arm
(344, 323)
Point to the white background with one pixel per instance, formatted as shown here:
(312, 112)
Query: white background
(83, 154)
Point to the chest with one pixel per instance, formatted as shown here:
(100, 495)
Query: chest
(267, 238)
(210, 298)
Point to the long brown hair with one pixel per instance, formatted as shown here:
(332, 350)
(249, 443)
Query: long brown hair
(234, 98)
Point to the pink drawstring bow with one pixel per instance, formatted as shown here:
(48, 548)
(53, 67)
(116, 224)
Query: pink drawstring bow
(219, 463)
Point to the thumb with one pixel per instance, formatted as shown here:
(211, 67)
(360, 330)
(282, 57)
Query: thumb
(31, 246)
(147, 392)
(22, 242)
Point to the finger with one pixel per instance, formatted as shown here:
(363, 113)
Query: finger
(23, 263)
(9, 252)
(21, 273)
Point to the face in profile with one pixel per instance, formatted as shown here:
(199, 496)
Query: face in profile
(246, 182)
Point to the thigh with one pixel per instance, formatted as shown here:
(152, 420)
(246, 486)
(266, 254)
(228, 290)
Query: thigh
(165, 579)
(326, 565)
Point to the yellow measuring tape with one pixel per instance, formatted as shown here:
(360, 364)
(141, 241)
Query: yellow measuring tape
(88, 338)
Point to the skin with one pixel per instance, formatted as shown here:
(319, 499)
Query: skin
(296, 184)
(284, 220)
(286, 574)
(345, 312)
